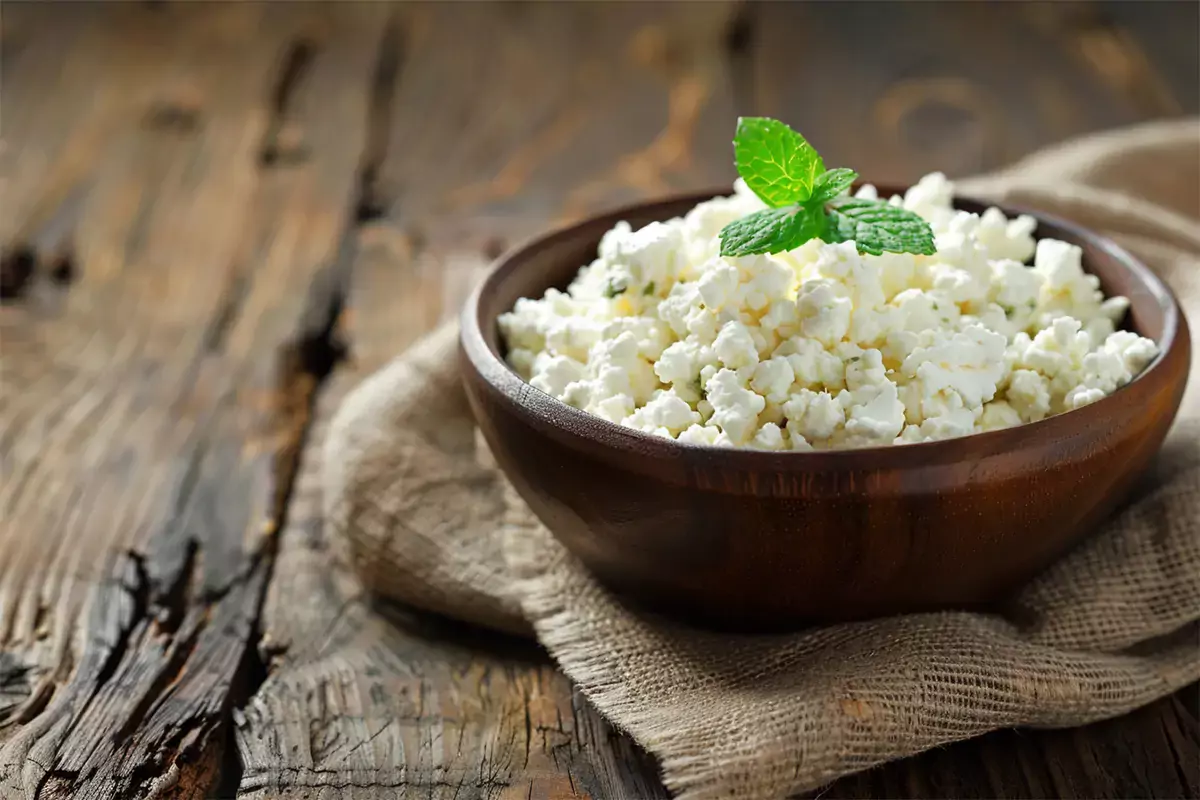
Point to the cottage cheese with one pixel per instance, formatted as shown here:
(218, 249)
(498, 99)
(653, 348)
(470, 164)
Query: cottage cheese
(821, 347)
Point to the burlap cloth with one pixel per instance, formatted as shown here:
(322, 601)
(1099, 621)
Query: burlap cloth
(423, 516)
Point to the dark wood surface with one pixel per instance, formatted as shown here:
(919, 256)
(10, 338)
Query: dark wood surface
(748, 540)
(217, 218)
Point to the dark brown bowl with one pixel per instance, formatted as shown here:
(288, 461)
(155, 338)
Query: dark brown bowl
(758, 540)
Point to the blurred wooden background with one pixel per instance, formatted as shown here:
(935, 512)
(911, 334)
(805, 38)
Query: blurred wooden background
(216, 218)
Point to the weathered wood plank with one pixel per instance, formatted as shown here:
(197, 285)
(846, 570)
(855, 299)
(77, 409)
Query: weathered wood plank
(544, 113)
(160, 403)
(366, 702)
(358, 706)
(70, 404)
(49, 147)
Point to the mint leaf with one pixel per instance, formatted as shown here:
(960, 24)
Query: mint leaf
(772, 231)
(877, 227)
(775, 161)
(832, 183)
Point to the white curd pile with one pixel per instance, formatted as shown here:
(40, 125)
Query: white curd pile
(821, 347)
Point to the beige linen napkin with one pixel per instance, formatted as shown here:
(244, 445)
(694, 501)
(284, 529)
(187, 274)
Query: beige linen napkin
(422, 515)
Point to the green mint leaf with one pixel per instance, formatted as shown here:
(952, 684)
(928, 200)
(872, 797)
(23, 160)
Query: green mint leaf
(775, 161)
(832, 183)
(772, 230)
(878, 228)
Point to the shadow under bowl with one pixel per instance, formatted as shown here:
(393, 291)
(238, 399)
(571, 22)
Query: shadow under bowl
(750, 540)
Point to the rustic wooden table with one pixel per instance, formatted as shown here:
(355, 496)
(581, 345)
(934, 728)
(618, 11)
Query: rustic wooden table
(217, 218)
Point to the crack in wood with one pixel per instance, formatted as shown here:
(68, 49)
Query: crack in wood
(179, 650)
(305, 363)
(15, 684)
(131, 579)
(371, 204)
(232, 299)
(309, 360)
(150, 632)
(283, 142)
(169, 603)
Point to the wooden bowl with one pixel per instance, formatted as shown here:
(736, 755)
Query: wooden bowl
(752, 540)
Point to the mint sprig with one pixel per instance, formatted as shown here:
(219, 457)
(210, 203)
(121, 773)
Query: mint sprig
(807, 202)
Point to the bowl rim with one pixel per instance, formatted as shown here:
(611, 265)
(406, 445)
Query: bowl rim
(556, 416)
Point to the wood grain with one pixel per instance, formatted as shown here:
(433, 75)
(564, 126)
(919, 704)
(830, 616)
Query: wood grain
(148, 422)
(398, 705)
(956, 87)
(204, 202)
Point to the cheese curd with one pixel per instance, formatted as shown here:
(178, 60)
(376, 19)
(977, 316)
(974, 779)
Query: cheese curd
(821, 347)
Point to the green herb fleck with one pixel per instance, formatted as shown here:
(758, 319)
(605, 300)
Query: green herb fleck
(1008, 310)
(852, 359)
(649, 290)
(806, 200)
(614, 288)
